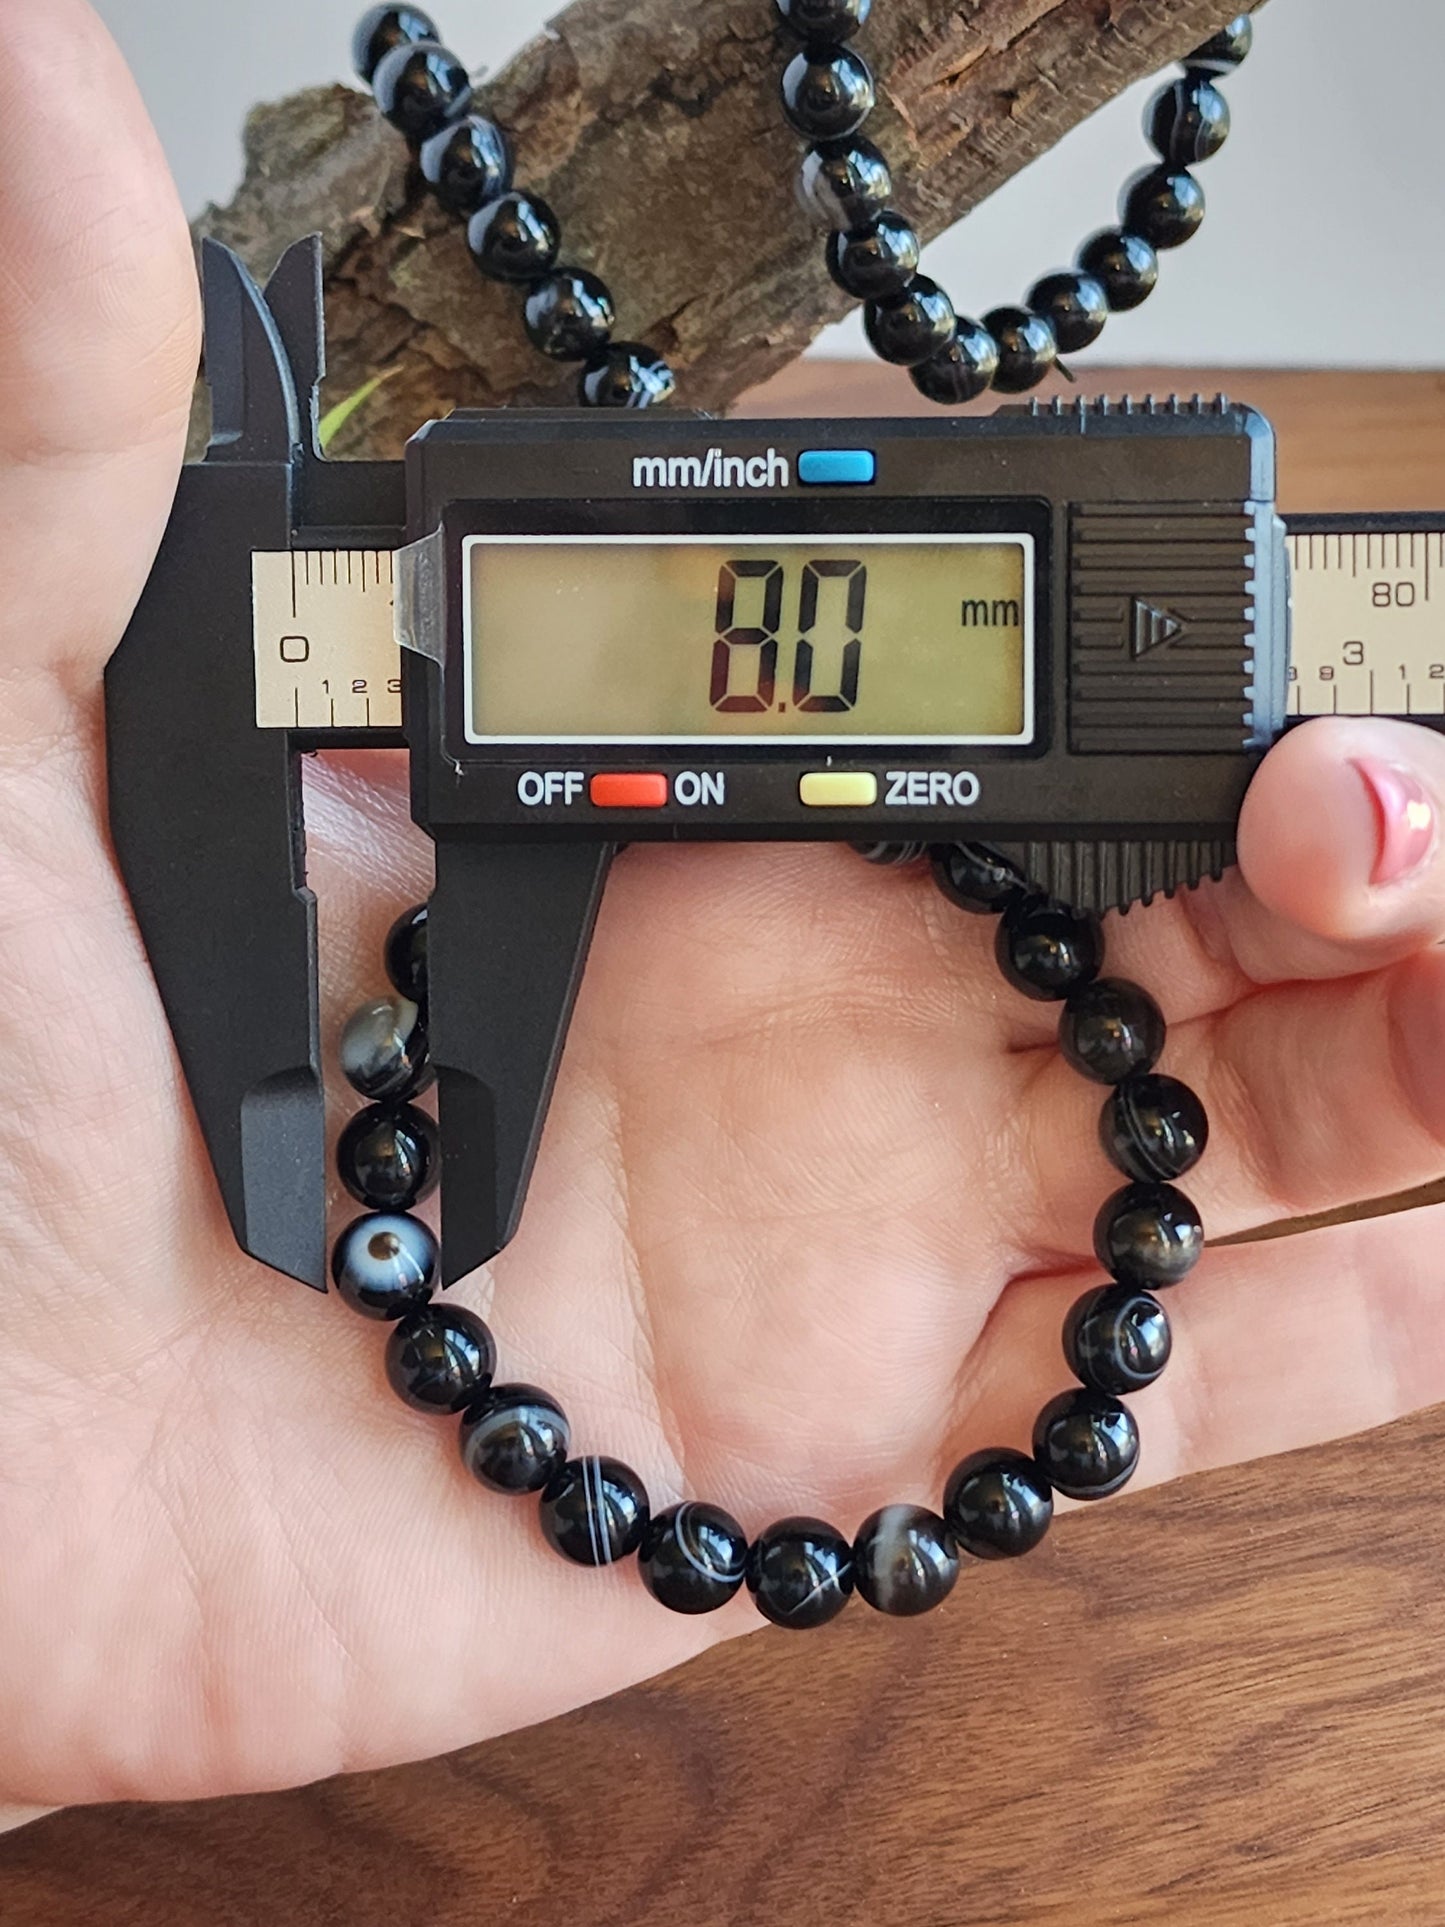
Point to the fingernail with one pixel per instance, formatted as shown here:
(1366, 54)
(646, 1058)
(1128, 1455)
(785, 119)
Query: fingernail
(1406, 817)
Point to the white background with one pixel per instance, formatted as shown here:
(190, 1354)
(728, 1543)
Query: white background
(1326, 211)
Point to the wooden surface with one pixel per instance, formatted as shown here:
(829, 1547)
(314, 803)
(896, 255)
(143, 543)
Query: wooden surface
(1218, 1705)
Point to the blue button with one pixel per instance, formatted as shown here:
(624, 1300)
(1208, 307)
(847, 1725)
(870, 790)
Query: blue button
(832, 467)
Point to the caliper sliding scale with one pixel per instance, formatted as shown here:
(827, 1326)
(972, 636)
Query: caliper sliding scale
(1158, 655)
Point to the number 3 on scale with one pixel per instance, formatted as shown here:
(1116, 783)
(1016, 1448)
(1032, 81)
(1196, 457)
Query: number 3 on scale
(763, 636)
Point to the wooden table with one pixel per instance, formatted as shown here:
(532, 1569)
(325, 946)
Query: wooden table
(1219, 1705)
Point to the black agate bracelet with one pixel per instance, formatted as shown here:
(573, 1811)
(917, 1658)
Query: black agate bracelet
(872, 252)
(514, 237)
(693, 1557)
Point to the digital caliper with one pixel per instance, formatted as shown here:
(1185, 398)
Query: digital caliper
(1063, 630)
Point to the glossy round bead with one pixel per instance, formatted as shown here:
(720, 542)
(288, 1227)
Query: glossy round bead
(891, 856)
(389, 1157)
(827, 92)
(997, 1504)
(1117, 1339)
(421, 88)
(627, 374)
(1047, 951)
(976, 878)
(385, 1265)
(693, 1557)
(514, 238)
(384, 1050)
(800, 1572)
(1028, 349)
(875, 262)
(905, 1560)
(1086, 1443)
(514, 1438)
(962, 370)
(911, 326)
(440, 1359)
(844, 184)
(467, 165)
(1187, 122)
(1153, 1128)
(825, 19)
(1111, 1029)
(1148, 1235)
(1227, 50)
(594, 1511)
(405, 955)
(1075, 306)
(1165, 205)
(382, 28)
(568, 314)
(1124, 265)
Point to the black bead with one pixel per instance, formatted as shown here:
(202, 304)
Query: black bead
(594, 1511)
(875, 262)
(1188, 121)
(1165, 205)
(467, 165)
(1148, 1235)
(800, 1572)
(515, 238)
(388, 1157)
(1111, 1029)
(827, 92)
(825, 19)
(962, 370)
(384, 1052)
(440, 1359)
(382, 28)
(1117, 1339)
(568, 314)
(1153, 1128)
(1046, 950)
(1087, 1444)
(1227, 50)
(911, 326)
(405, 955)
(693, 1557)
(1076, 307)
(421, 88)
(891, 856)
(385, 1265)
(1124, 265)
(844, 184)
(1028, 349)
(905, 1560)
(627, 374)
(997, 1504)
(514, 1438)
(976, 878)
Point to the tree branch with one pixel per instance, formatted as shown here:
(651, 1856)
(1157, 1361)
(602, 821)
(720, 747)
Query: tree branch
(653, 127)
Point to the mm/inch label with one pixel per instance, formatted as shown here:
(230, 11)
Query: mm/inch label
(325, 639)
(1369, 623)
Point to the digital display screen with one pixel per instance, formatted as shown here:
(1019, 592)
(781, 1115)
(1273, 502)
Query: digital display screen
(749, 640)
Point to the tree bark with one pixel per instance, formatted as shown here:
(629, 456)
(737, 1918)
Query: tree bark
(653, 127)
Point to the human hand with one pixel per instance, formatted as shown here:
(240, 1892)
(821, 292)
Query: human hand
(815, 1195)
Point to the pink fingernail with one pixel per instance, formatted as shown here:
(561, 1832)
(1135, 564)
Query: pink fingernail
(1409, 823)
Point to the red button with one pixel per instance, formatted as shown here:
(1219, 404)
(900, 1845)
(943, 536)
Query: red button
(629, 792)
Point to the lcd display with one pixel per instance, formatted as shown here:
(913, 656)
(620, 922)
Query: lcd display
(651, 640)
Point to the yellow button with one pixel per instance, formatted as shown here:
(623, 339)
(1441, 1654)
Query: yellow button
(839, 789)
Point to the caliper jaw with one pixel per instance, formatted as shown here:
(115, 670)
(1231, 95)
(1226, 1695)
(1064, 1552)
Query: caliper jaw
(205, 807)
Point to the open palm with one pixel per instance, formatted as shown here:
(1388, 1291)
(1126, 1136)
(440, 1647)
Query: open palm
(814, 1198)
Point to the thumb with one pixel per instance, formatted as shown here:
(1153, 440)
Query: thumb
(99, 341)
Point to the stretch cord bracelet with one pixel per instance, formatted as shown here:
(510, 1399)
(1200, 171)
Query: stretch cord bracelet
(872, 251)
(514, 237)
(694, 1557)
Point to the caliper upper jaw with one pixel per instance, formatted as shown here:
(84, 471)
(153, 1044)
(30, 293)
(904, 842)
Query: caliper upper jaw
(205, 807)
